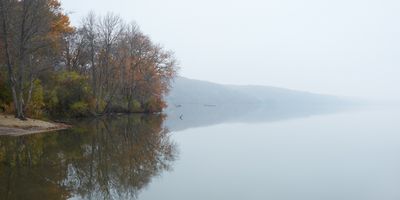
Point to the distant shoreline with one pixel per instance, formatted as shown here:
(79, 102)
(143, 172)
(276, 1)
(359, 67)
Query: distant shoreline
(11, 126)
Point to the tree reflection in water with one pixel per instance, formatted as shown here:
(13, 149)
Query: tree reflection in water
(110, 158)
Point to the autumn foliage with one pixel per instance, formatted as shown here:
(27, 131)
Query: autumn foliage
(103, 65)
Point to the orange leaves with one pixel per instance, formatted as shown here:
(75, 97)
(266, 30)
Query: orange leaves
(124, 65)
(61, 24)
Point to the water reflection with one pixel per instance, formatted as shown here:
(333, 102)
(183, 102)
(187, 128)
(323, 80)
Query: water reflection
(196, 115)
(99, 159)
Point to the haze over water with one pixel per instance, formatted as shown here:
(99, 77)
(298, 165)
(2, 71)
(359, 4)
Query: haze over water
(348, 155)
(343, 154)
(271, 115)
(344, 48)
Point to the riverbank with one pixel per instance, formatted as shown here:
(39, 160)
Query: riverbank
(9, 125)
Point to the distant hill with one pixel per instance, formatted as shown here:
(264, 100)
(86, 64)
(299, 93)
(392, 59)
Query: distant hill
(189, 91)
(194, 103)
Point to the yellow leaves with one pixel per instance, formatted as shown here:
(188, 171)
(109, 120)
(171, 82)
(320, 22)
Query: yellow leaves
(61, 24)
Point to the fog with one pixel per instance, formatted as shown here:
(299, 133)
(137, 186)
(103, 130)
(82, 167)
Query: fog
(341, 47)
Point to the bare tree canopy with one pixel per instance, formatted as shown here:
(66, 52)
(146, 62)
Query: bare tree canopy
(31, 32)
(103, 65)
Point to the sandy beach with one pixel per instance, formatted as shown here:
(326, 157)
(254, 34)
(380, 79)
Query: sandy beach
(9, 125)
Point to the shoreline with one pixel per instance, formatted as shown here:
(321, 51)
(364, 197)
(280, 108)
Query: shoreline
(10, 126)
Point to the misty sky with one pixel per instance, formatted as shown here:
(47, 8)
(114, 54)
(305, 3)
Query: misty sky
(343, 47)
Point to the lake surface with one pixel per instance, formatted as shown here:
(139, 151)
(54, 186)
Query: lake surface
(346, 155)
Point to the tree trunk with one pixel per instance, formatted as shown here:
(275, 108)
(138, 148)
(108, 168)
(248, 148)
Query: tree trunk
(20, 109)
(13, 83)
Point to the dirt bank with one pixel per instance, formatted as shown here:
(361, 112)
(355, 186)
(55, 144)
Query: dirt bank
(9, 125)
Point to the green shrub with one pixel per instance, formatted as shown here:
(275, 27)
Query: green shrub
(154, 105)
(36, 104)
(79, 109)
(134, 106)
(69, 95)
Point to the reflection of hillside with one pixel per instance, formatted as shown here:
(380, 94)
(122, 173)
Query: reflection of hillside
(99, 159)
(195, 103)
(195, 115)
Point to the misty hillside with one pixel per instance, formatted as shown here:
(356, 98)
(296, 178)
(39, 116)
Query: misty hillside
(194, 103)
(188, 91)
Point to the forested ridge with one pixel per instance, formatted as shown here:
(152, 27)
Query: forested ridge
(104, 65)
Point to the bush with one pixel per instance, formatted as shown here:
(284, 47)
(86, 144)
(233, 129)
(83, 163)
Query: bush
(154, 105)
(69, 95)
(79, 109)
(134, 106)
(36, 105)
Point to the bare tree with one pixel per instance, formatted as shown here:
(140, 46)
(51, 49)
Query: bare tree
(123, 64)
(90, 35)
(110, 29)
(26, 28)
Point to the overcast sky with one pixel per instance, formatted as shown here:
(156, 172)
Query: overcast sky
(342, 47)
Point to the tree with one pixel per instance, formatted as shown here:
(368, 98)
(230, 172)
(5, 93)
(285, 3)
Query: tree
(125, 70)
(125, 67)
(30, 31)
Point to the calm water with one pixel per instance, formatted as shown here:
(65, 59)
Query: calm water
(347, 155)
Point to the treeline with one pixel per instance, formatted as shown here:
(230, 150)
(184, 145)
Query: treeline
(104, 65)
